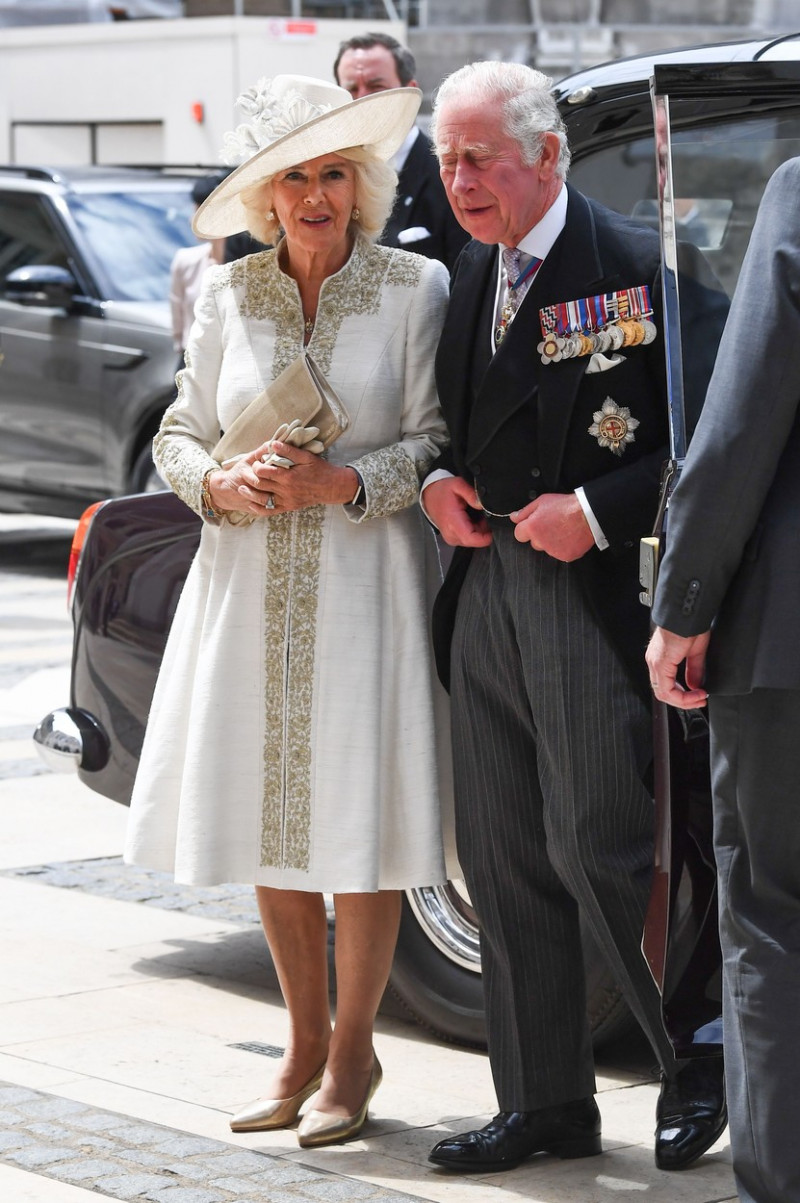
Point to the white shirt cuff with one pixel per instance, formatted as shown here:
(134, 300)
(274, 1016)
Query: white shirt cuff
(439, 474)
(594, 525)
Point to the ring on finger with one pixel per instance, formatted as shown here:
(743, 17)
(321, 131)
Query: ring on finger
(270, 502)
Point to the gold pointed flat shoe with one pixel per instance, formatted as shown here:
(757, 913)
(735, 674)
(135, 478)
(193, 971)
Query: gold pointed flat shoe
(275, 1113)
(320, 1128)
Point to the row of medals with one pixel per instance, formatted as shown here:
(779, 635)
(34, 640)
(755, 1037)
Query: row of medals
(628, 332)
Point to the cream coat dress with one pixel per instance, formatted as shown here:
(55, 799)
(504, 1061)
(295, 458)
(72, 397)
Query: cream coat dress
(298, 737)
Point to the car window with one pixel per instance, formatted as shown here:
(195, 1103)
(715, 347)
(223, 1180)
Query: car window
(27, 234)
(720, 170)
(132, 236)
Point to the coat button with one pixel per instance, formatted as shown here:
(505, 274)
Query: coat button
(532, 495)
(536, 472)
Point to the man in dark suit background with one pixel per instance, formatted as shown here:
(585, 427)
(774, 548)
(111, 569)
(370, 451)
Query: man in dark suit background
(558, 438)
(727, 607)
(421, 219)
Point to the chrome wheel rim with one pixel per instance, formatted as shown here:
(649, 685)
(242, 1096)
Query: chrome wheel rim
(446, 916)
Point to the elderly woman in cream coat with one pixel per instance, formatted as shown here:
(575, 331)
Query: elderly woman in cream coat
(297, 738)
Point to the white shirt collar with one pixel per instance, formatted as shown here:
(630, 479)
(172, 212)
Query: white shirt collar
(539, 241)
(398, 159)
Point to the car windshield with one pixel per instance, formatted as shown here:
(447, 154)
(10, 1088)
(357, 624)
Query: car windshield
(133, 235)
(719, 173)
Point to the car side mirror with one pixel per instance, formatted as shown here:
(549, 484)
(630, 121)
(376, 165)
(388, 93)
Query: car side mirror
(40, 285)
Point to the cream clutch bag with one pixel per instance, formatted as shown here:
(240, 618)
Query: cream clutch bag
(300, 394)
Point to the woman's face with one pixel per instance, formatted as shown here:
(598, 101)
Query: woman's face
(314, 202)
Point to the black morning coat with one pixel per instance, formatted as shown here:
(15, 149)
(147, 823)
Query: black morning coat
(520, 427)
(422, 202)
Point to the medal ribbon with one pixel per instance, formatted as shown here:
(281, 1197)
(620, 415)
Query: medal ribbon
(593, 313)
(526, 273)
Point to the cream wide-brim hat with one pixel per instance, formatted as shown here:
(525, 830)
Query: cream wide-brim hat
(379, 123)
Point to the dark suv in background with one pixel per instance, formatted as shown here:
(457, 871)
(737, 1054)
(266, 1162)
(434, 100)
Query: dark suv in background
(87, 364)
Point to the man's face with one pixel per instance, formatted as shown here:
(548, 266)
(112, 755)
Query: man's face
(362, 72)
(494, 195)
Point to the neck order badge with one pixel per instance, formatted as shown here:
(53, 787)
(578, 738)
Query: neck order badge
(518, 284)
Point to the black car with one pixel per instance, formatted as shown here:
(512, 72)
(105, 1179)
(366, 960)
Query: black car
(87, 362)
(731, 121)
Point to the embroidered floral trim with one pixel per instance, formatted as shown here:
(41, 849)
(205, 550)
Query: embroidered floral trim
(391, 480)
(293, 543)
(404, 269)
(182, 463)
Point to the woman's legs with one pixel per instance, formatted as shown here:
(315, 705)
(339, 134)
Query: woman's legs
(366, 935)
(296, 926)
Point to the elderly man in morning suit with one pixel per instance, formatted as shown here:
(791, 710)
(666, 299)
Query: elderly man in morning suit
(551, 375)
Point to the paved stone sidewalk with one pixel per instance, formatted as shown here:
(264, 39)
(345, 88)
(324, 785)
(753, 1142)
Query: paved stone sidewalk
(110, 877)
(123, 1158)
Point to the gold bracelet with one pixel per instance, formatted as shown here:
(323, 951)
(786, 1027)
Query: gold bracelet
(208, 504)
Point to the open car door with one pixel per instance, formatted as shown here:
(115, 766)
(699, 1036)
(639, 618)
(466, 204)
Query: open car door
(738, 122)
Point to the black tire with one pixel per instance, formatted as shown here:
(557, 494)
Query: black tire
(144, 477)
(442, 989)
(436, 971)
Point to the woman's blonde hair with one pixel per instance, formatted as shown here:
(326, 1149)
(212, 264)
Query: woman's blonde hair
(375, 187)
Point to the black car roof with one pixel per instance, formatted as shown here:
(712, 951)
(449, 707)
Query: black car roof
(619, 74)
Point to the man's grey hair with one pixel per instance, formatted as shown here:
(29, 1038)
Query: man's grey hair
(525, 99)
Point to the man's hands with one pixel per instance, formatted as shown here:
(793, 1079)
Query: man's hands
(448, 503)
(664, 657)
(556, 524)
(553, 523)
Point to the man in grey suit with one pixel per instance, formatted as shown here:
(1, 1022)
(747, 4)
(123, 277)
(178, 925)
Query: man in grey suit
(551, 376)
(727, 607)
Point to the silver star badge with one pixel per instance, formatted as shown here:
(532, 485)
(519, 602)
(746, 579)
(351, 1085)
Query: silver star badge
(613, 426)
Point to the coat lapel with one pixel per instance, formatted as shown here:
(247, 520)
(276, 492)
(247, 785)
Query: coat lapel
(573, 269)
(455, 356)
(579, 271)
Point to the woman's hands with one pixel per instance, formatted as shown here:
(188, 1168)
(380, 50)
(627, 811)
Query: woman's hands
(253, 487)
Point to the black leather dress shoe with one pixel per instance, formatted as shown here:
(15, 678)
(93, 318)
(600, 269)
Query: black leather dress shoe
(691, 1113)
(569, 1130)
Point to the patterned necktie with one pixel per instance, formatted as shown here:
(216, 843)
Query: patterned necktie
(511, 261)
(518, 282)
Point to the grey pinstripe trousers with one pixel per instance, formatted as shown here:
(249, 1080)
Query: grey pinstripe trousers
(755, 769)
(550, 746)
